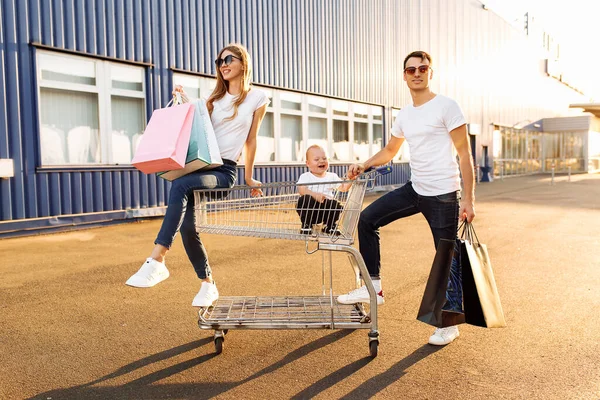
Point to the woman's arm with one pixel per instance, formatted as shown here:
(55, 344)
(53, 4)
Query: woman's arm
(250, 146)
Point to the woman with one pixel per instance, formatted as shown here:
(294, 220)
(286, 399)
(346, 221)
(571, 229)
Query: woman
(236, 112)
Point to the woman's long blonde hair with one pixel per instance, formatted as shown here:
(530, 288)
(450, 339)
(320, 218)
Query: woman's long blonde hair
(239, 51)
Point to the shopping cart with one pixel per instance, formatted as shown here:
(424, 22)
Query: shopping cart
(276, 214)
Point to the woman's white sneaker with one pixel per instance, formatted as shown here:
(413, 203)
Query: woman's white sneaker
(207, 295)
(360, 295)
(444, 336)
(149, 274)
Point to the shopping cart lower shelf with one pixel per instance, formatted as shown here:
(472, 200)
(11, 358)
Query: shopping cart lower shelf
(290, 312)
(276, 215)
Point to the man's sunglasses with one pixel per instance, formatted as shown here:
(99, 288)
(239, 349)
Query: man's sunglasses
(226, 61)
(412, 70)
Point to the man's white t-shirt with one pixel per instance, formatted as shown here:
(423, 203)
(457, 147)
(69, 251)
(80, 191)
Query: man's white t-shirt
(327, 189)
(232, 134)
(426, 128)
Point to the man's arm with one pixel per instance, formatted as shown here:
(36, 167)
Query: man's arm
(461, 142)
(381, 157)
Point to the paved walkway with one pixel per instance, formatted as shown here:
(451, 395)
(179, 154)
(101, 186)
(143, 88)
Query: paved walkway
(70, 328)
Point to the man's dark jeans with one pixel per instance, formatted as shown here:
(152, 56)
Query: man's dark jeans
(441, 212)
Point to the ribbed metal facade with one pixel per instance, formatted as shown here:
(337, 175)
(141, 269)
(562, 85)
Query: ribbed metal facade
(343, 48)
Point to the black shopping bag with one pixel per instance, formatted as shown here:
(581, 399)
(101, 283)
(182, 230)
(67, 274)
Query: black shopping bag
(434, 297)
(481, 301)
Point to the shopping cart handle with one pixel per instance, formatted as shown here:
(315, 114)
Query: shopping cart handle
(386, 169)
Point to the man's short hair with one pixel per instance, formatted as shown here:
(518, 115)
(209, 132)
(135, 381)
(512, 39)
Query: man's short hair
(418, 54)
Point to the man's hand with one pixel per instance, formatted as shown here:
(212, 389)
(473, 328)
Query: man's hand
(355, 170)
(254, 192)
(467, 210)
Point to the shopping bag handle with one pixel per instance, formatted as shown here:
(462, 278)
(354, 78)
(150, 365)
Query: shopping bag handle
(175, 100)
(468, 232)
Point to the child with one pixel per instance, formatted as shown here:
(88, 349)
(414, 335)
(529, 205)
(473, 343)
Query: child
(316, 203)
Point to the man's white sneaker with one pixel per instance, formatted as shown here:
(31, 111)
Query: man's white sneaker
(444, 336)
(360, 295)
(149, 274)
(207, 295)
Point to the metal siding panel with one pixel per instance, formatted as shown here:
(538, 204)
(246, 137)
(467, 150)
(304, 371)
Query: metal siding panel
(57, 24)
(64, 182)
(175, 40)
(119, 28)
(34, 20)
(55, 193)
(27, 116)
(76, 193)
(46, 22)
(88, 192)
(117, 195)
(97, 192)
(80, 32)
(90, 12)
(135, 187)
(69, 24)
(5, 184)
(42, 193)
(11, 84)
(126, 189)
(100, 27)
(110, 21)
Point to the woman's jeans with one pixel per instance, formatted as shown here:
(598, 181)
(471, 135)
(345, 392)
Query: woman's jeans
(180, 213)
(441, 212)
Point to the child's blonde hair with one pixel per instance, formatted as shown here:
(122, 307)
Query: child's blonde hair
(314, 146)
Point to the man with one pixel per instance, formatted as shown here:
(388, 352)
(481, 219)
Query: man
(435, 129)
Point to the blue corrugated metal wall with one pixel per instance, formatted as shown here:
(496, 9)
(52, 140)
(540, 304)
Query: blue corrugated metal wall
(287, 45)
(345, 48)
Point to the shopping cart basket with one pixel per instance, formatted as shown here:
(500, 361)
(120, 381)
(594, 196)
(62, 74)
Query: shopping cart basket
(282, 213)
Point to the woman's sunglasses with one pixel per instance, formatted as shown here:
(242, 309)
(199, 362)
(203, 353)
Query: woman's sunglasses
(226, 61)
(411, 70)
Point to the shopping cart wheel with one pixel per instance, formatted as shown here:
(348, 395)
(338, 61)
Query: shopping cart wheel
(219, 345)
(373, 345)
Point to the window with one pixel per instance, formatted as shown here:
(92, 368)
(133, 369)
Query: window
(91, 111)
(265, 141)
(196, 87)
(348, 131)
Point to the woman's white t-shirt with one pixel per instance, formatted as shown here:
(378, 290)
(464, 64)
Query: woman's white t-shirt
(232, 134)
(327, 189)
(426, 128)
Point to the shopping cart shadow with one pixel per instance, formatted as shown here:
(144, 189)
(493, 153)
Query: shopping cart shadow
(144, 387)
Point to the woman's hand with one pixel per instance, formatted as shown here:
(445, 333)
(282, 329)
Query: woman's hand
(178, 89)
(255, 191)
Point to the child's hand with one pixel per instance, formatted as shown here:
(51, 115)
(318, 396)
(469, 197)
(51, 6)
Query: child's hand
(320, 197)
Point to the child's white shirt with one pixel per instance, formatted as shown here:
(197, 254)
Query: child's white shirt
(328, 189)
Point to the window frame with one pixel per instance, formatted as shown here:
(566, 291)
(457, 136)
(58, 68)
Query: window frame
(102, 89)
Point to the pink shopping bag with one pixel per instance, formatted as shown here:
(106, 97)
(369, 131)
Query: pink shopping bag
(164, 144)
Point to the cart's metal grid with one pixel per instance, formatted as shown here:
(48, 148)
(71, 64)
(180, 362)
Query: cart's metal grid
(275, 214)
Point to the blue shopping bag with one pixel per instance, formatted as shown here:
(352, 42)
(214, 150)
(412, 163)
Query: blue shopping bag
(203, 151)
